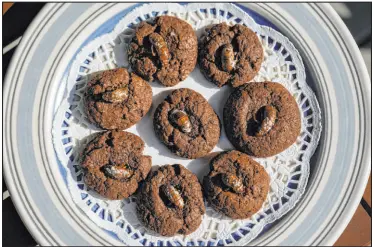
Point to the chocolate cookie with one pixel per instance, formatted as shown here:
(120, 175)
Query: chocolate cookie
(187, 124)
(171, 201)
(237, 186)
(262, 119)
(164, 49)
(113, 164)
(115, 99)
(230, 54)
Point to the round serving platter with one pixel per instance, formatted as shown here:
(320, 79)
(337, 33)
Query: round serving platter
(32, 92)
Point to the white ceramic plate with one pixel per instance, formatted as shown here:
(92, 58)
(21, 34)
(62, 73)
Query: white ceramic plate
(335, 71)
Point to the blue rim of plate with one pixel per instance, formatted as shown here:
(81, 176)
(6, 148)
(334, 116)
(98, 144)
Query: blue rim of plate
(341, 85)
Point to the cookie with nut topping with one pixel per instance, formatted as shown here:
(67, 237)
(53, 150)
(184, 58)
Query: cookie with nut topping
(164, 49)
(113, 164)
(171, 201)
(230, 55)
(187, 124)
(262, 119)
(116, 99)
(236, 185)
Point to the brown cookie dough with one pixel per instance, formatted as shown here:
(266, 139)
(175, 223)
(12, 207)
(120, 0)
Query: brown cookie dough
(230, 54)
(187, 124)
(171, 201)
(113, 164)
(261, 119)
(115, 99)
(164, 49)
(237, 186)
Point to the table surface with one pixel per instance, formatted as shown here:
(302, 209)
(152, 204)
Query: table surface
(357, 16)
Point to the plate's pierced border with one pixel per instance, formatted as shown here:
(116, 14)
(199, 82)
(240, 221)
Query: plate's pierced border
(288, 170)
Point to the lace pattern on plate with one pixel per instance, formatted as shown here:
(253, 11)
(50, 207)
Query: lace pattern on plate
(288, 170)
